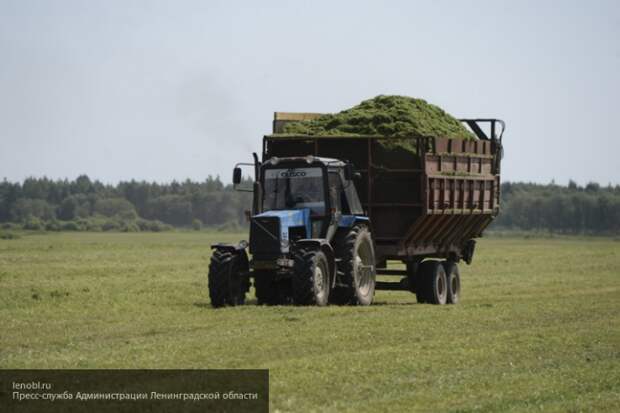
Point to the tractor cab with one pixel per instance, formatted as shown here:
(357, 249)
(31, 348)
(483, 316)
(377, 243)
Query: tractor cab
(315, 190)
(296, 190)
(309, 237)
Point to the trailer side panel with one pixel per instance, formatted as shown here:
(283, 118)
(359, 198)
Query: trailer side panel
(425, 196)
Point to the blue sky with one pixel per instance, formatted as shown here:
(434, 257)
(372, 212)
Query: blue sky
(163, 90)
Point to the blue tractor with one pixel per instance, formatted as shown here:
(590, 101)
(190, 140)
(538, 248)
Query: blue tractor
(310, 241)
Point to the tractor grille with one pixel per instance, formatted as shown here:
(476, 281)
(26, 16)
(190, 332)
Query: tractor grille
(265, 236)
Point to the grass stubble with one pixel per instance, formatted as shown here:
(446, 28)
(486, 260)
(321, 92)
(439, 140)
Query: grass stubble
(538, 327)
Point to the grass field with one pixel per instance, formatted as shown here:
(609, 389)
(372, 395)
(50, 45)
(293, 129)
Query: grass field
(538, 327)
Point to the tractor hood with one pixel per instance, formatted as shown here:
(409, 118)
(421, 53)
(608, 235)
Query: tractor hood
(289, 218)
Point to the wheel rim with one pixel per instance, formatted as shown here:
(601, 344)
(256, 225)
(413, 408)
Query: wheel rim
(319, 282)
(363, 266)
(441, 286)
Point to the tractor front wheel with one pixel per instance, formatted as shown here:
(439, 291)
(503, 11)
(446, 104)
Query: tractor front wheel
(228, 278)
(311, 280)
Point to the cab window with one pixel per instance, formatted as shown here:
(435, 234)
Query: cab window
(294, 188)
(335, 191)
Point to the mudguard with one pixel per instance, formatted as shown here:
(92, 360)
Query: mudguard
(237, 251)
(241, 246)
(468, 252)
(347, 221)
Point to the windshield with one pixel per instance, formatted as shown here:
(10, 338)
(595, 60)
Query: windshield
(294, 188)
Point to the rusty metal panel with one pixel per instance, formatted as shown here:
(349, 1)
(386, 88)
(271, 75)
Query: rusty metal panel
(441, 145)
(388, 221)
(428, 203)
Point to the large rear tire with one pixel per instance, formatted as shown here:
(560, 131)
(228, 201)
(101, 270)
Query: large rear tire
(357, 256)
(228, 278)
(311, 280)
(453, 281)
(433, 284)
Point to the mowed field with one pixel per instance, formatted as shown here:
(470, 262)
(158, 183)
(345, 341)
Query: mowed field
(538, 328)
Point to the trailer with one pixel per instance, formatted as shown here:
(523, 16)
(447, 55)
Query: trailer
(422, 201)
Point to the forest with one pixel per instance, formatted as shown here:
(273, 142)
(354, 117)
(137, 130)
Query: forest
(86, 205)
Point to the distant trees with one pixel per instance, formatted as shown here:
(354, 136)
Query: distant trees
(25, 208)
(40, 202)
(111, 207)
(172, 209)
(571, 209)
(76, 206)
(128, 206)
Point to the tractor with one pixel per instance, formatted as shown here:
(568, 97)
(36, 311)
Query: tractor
(310, 241)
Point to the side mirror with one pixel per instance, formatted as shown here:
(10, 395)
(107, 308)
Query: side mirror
(349, 171)
(237, 176)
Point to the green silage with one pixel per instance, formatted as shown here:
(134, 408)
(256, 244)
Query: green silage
(385, 115)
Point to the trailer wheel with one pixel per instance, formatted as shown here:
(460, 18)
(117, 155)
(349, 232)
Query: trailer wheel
(311, 280)
(357, 255)
(433, 282)
(228, 278)
(265, 288)
(453, 281)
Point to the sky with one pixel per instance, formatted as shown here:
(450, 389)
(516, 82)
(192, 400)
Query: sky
(169, 90)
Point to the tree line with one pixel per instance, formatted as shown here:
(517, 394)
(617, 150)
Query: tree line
(572, 209)
(84, 204)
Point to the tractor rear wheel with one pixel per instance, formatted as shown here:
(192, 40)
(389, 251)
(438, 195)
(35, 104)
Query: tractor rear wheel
(432, 283)
(357, 256)
(228, 278)
(453, 281)
(311, 280)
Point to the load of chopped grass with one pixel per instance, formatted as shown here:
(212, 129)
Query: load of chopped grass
(384, 115)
